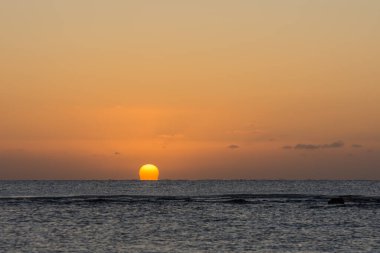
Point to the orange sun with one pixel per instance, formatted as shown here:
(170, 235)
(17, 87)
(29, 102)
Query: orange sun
(149, 172)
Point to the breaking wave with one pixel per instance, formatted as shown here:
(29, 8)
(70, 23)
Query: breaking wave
(349, 200)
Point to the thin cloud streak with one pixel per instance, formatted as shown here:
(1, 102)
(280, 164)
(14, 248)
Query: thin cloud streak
(302, 146)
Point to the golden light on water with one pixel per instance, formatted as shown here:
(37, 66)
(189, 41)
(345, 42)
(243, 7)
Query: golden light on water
(149, 172)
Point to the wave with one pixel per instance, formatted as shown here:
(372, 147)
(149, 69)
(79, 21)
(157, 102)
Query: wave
(224, 198)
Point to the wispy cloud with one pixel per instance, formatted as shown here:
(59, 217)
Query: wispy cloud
(233, 146)
(170, 136)
(307, 146)
(166, 139)
(303, 146)
(249, 129)
(357, 146)
(336, 144)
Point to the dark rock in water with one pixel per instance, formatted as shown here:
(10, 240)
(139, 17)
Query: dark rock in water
(336, 201)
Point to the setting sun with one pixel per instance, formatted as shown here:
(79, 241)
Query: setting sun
(148, 172)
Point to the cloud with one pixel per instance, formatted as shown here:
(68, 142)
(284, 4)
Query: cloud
(356, 146)
(170, 136)
(307, 146)
(337, 144)
(117, 153)
(251, 132)
(166, 139)
(233, 146)
(302, 146)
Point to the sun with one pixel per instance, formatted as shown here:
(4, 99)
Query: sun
(149, 172)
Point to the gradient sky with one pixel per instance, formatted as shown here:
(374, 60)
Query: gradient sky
(203, 89)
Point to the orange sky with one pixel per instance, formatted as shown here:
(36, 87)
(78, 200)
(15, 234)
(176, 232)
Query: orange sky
(203, 89)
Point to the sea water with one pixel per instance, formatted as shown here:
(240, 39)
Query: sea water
(189, 216)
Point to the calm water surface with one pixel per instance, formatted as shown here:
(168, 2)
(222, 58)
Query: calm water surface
(189, 216)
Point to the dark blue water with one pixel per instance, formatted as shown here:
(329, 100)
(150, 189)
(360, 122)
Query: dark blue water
(189, 216)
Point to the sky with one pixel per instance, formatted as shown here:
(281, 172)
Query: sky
(211, 89)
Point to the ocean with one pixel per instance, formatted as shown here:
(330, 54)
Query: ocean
(189, 216)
